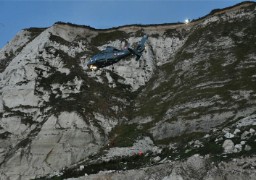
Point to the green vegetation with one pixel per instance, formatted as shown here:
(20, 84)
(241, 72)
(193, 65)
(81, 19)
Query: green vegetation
(59, 40)
(4, 135)
(121, 163)
(248, 8)
(154, 35)
(182, 86)
(125, 135)
(184, 146)
(104, 38)
(176, 33)
(4, 63)
(74, 25)
(181, 140)
(34, 32)
(139, 33)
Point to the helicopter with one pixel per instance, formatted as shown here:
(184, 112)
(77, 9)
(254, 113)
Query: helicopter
(112, 55)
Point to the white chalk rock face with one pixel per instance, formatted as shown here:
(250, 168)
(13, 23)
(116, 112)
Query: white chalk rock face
(106, 123)
(13, 125)
(63, 147)
(24, 95)
(20, 40)
(62, 141)
(228, 146)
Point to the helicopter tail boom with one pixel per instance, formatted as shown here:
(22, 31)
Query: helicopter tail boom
(133, 51)
(140, 48)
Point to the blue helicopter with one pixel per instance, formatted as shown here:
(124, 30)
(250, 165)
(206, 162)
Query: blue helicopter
(111, 55)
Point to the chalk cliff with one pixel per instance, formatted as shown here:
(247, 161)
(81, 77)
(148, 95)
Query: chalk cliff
(187, 109)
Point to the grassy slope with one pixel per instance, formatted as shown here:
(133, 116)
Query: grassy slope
(181, 86)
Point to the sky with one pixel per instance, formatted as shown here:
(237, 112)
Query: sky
(16, 15)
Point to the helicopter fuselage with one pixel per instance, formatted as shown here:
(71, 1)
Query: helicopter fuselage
(107, 57)
(112, 55)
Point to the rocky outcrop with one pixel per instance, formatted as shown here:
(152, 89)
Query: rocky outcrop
(192, 92)
(195, 167)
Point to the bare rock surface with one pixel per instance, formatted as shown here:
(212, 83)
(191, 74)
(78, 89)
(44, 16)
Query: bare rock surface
(195, 167)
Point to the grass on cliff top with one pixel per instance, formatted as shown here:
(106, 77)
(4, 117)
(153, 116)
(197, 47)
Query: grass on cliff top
(34, 32)
(103, 38)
